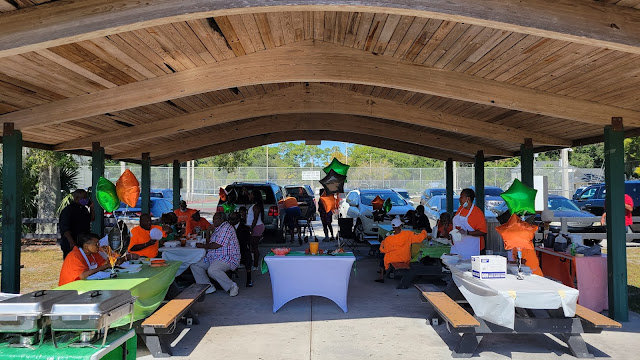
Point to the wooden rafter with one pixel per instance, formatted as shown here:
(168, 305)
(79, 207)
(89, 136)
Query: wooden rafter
(313, 98)
(310, 61)
(259, 140)
(580, 21)
(347, 123)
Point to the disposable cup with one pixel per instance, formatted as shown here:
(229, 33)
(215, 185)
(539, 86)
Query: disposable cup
(313, 247)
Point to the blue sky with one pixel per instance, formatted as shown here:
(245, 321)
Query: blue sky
(328, 144)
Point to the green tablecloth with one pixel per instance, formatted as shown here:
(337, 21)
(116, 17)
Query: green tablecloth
(48, 352)
(264, 268)
(150, 285)
(384, 230)
(431, 251)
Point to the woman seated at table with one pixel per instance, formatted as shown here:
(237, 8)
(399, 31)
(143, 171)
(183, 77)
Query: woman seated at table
(443, 226)
(83, 261)
(144, 238)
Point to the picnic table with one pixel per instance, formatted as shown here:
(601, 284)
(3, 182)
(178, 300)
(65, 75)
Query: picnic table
(186, 255)
(296, 274)
(149, 285)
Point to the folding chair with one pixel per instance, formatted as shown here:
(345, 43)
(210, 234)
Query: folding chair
(346, 237)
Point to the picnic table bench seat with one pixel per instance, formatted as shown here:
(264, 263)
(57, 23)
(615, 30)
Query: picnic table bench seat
(595, 319)
(160, 324)
(448, 309)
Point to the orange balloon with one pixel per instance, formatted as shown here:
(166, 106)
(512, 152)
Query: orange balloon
(329, 202)
(377, 203)
(223, 194)
(517, 233)
(128, 188)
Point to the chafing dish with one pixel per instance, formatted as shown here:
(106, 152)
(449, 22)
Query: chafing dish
(22, 317)
(91, 313)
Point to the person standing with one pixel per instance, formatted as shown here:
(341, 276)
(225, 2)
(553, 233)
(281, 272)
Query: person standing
(223, 254)
(470, 222)
(255, 215)
(326, 216)
(628, 214)
(75, 219)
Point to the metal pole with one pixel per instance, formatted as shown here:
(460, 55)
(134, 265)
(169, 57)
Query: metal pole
(145, 184)
(479, 179)
(449, 181)
(97, 170)
(526, 162)
(267, 163)
(176, 184)
(566, 192)
(616, 234)
(11, 208)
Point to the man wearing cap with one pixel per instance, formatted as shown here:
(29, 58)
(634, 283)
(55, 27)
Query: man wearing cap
(397, 247)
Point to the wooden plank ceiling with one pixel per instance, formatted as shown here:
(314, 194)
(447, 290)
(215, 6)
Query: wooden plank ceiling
(444, 126)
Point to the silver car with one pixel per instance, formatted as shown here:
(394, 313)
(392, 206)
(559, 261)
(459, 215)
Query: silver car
(357, 206)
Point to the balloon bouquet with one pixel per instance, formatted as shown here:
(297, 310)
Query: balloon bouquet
(333, 184)
(109, 196)
(516, 233)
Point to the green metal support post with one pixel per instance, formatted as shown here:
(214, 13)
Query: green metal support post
(526, 162)
(176, 184)
(97, 170)
(479, 179)
(11, 208)
(449, 181)
(616, 234)
(145, 185)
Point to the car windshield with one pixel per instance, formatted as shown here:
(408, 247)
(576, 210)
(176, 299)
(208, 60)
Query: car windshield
(435, 192)
(456, 203)
(396, 200)
(296, 191)
(492, 191)
(559, 204)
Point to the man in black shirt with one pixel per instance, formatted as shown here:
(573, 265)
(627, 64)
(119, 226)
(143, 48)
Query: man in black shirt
(75, 219)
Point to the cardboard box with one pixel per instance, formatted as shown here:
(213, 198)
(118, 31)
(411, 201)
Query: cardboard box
(489, 267)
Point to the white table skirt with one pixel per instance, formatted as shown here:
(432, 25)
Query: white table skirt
(296, 276)
(187, 255)
(495, 300)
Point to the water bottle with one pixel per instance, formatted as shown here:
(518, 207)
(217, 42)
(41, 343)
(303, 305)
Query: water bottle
(573, 249)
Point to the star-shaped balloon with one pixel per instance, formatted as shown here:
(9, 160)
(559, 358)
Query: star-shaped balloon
(517, 233)
(228, 208)
(387, 205)
(223, 194)
(336, 166)
(520, 198)
(333, 182)
(377, 203)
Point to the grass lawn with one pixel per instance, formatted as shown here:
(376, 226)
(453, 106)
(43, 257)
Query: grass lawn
(633, 278)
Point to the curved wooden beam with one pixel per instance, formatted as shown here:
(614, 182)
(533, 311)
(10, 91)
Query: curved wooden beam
(579, 21)
(311, 61)
(357, 125)
(265, 139)
(314, 98)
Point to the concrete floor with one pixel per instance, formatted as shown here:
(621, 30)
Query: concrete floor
(382, 323)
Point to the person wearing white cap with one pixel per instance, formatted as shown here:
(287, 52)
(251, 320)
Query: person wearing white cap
(397, 247)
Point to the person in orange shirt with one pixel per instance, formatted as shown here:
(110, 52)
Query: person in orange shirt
(184, 215)
(142, 242)
(443, 226)
(83, 261)
(197, 224)
(470, 222)
(397, 247)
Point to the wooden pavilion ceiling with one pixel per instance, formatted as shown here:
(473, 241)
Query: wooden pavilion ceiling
(425, 85)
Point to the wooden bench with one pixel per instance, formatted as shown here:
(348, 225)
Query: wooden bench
(162, 323)
(595, 319)
(448, 309)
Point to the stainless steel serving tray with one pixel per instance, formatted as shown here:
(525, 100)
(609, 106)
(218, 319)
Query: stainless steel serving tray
(23, 314)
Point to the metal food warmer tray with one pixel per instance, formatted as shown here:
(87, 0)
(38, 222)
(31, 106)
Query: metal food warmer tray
(22, 317)
(90, 314)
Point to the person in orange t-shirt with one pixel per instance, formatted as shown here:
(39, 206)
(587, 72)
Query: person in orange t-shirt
(197, 224)
(397, 247)
(184, 214)
(141, 242)
(83, 261)
(470, 222)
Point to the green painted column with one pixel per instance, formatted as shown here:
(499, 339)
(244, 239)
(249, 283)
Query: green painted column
(97, 170)
(11, 208)
(479, 179)
(449, 181)
(616, 234)
(526, 162)
(145, 184)
(176, 184)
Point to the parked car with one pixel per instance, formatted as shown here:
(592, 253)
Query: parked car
(271, 194)
(492, 198)
(438, 205)
(592, 199)
(405, 195)
(306, 199)
(161, 202)
(429, 193)
(357, 206)
(576, 194)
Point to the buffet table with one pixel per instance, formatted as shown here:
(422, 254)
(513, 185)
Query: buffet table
(588, 274)
(149, 285)
(296, 275)
(186, 255)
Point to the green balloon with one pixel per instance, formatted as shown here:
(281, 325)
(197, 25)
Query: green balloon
(228, 208)
(520, 198)
(387, 205)
(337, 166)
(106, 195)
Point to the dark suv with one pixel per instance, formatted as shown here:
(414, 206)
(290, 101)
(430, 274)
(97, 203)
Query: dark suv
(305, 197)
(592, 198)
(271, 194)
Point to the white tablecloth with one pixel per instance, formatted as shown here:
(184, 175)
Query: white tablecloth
(188, 256)
(296, 276)
(495, 300)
